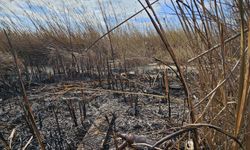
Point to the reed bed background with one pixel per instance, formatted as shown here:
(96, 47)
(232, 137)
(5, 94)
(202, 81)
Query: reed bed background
(211, 36)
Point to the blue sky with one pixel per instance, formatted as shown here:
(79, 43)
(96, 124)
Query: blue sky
(76, 11)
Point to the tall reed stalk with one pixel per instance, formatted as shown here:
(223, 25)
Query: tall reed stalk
(29, 114)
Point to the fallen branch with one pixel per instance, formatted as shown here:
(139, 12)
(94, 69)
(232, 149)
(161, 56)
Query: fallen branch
(112, 91)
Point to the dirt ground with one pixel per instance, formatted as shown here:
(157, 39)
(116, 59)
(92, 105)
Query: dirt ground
(58, 110)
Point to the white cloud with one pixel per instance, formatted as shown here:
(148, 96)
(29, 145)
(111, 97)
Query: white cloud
(76, 10)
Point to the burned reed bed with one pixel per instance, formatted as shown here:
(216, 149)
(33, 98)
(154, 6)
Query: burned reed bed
(87, 81)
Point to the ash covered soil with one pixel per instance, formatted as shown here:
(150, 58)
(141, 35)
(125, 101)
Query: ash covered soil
(78, 114)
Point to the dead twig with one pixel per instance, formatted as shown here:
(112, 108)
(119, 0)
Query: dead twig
(216, 46)
(27, 144)
(192, 127)
(105, 145)
(109, 31)
(220, 84)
